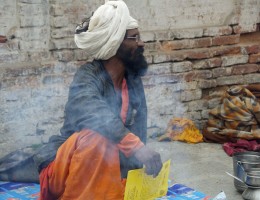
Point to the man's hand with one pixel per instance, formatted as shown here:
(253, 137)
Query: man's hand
(151, 160)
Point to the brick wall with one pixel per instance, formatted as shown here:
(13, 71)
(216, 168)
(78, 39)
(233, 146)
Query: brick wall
(195, 49)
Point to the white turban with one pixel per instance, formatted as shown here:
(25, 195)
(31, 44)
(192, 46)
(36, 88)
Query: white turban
(106, 31)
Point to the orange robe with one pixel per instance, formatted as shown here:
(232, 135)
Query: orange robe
(87, 165)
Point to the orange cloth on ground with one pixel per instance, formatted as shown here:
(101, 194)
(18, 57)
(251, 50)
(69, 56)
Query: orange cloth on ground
(87, 166)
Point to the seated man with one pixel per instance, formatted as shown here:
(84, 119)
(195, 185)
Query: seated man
(104, 132)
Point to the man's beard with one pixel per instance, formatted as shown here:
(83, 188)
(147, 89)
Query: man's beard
(135, 63)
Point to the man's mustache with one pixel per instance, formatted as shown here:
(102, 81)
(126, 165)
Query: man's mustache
(139, 50)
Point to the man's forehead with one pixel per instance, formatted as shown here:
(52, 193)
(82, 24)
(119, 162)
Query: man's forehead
(132, 32)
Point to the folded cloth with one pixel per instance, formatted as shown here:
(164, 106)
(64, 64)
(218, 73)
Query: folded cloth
(237, 117)
(241, 145)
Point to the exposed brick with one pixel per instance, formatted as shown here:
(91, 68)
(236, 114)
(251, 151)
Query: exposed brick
(64, 56)
(166, 57)
(31, 21)
(160, 79)
(212, 103)
(62, 33)
(80, 54)
(53, 79)
(181, 67)
(225, 50)
(234, 59)
(217, 31)
(60, 21)
(174, 45)
(168, 68)
(163, 35)
(197, 105)
(196, 75)
(202, 42)
(253, 49)
(57, 10)
(63, 44)
(198, 54)
(252, 78)
(39, 55)
(254, 58)
(186, 44)
(225, 40)
(32, 10)
(244, 69)
(34, 45)
(152, 47)
(13, 57)
(187, 33)
(31, 1)
(203, 84)
(219, 72)
(207, 63)
(3, 39)
(227, 80)
(35, 33)
(237, 29)
(191, 95)
(193, 115)
(12, 45)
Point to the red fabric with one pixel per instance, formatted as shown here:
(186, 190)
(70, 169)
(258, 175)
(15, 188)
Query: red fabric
(44, 183)
(240, 146)
(125, 100)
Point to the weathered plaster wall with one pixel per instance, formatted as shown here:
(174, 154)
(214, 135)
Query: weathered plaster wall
(194, 47)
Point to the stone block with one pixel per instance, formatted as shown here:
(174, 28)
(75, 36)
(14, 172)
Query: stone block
(191, 95)
(253, 49)
(36, 20)
(163, 35)
(244, 69)
(178, 67)
(67, 43)
(254, 58)
(187, 33)
(197, 75)
(217, 31)
(33, 33)
(57, 10)
(34, 45)
(234, 60)
(205, 114)
(31, 1)
(221, 71)
(203, 84)
(230, 80)
(197, 105)
(207, 63)
(52, 79)
(64, 56)
(60, 21)
(252, 78)
(213, 103)
(33, 10)
(225, 40)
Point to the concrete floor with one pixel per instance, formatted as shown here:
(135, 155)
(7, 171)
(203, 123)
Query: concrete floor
(199, 166)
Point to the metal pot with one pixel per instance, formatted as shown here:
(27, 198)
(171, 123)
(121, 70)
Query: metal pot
(252, 178)
(242, 162)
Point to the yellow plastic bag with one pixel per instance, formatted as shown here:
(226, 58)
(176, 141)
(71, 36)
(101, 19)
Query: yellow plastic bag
(182, 129)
